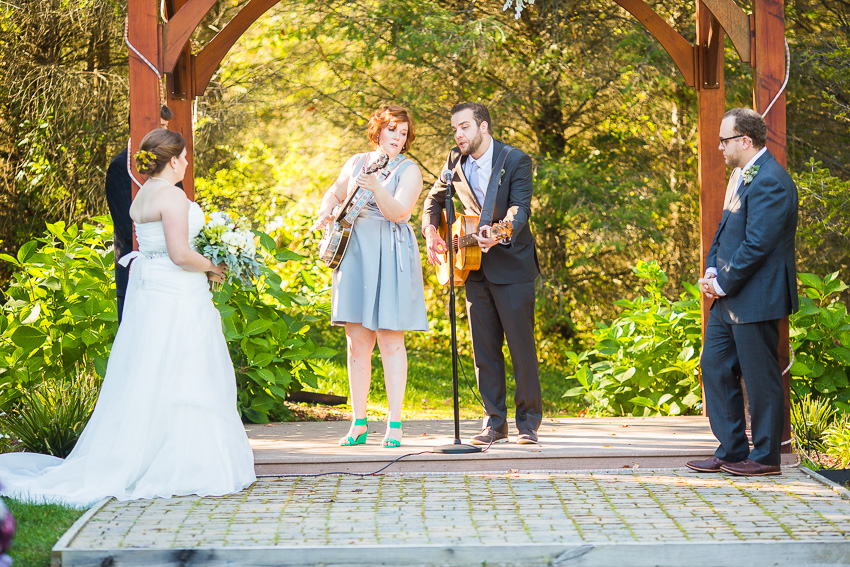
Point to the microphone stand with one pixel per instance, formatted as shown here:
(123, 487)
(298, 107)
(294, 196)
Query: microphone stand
(456, 447)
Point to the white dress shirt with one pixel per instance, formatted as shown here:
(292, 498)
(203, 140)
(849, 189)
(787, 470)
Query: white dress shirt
(485, 170)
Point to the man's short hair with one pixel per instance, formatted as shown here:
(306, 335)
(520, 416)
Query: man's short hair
(165, 113)
(479, 112)
(749, 123)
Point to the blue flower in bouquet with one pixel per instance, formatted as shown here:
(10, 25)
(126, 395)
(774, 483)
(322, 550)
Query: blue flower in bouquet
(227, 238)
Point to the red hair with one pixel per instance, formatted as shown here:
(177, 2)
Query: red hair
(391, 115)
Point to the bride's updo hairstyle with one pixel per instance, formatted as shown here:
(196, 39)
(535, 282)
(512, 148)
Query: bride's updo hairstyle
(157, 149)
(391, 115)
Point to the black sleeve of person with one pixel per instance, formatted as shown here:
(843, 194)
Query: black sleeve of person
(119, 197)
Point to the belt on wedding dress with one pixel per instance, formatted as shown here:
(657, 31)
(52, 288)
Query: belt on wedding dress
(398, 235)
(127, 258)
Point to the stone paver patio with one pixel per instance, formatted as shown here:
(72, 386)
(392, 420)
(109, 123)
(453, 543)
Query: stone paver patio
(630, 517)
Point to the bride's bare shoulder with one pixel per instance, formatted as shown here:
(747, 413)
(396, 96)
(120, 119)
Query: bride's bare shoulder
(156, 198)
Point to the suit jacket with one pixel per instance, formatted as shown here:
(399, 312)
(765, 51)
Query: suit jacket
(753, 248)
(516, 261)
(119, 197)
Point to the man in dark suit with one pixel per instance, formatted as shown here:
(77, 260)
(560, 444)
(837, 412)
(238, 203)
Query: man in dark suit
(752, 278)
(119, 197)
(500, 295)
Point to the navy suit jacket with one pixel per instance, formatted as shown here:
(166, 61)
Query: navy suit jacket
(753, 248)
(515, 262)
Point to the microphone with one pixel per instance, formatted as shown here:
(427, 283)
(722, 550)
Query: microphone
(446, 176)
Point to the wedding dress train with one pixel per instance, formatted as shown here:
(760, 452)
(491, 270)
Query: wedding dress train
(165, 423)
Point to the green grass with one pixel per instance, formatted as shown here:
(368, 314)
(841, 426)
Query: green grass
(429, 383)
(39, 528)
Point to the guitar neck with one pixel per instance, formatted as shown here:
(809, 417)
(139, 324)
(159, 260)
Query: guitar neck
(466, 240)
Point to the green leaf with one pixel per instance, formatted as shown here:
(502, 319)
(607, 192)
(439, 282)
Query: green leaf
(11, 260)
(266, 241)
(574, 392)
(811, 280)
(257, 327)
(28, 338)
(26, 251)
(642, 401)
(262, 359)
(841, 354)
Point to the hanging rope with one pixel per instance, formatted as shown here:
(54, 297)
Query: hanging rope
(161, 94)
(785, 84)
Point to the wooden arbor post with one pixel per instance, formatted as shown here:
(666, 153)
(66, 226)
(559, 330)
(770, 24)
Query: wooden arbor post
(759, 40)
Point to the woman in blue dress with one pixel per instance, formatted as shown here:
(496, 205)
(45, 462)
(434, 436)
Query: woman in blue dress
(377, 291)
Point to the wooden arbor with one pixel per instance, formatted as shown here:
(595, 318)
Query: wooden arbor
(757, 38)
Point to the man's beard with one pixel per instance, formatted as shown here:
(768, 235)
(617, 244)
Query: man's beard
(473, 145)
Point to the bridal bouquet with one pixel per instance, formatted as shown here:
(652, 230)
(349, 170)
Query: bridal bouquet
(226, 238)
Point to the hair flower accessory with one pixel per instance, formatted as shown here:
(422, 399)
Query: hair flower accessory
(145, 158)
(750, 173)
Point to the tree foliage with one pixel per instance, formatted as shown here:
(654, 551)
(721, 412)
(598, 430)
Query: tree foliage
(62, 111)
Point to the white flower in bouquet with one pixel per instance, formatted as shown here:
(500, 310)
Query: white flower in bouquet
(227, 238)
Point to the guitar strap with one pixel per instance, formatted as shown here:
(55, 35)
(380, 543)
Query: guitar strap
(493, 187)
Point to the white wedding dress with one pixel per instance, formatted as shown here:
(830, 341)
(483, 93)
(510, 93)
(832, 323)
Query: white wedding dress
(165, 423)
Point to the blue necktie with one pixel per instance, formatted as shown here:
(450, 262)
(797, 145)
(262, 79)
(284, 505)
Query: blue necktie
(473, 180)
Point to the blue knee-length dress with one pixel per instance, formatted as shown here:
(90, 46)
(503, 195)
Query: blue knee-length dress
(379, 281)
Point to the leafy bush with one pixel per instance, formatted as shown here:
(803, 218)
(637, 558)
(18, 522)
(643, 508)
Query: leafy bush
(645, 362)
(837, 440)
(60, 317)
(820, 337)
(51, 417)
(266, 334)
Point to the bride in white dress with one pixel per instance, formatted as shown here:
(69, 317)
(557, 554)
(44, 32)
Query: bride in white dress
(165, 423)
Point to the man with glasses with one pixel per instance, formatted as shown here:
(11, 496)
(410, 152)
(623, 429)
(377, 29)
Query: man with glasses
(752, 278)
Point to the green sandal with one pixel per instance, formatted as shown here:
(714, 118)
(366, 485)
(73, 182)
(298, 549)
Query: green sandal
(348, 440)
(392, 442)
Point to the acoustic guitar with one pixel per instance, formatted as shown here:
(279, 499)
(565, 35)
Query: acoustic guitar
(467, 253)
(337, 234)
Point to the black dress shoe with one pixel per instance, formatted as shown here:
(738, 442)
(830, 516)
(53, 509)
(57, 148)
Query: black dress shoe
(712, 464)
(750, 468)
(489, 436)
(527, 437)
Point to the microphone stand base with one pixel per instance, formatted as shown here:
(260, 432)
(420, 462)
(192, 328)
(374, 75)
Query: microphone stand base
(456, 448)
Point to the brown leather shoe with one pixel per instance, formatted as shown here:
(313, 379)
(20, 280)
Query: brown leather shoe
(712, 464)
(488, 436)
(526, 437)
(750, 468)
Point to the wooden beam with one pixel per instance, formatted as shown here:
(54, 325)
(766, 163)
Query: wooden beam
(736, 23)
(769, 25)
(711, 164)
(178, 29)
(683, 53)
(143, 34)
(180, 95)
(208, 60)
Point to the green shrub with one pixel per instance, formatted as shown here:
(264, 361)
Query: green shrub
(645, 362)
(60, 316)
(51, 417)
(811, 417)
(266, 331)
(820, 337)
(837, 440)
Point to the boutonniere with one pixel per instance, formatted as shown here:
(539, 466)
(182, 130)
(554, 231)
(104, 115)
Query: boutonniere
(750, 173)
(501, 175)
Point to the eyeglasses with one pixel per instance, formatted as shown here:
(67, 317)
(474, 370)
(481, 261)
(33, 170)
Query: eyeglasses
(724, 140)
